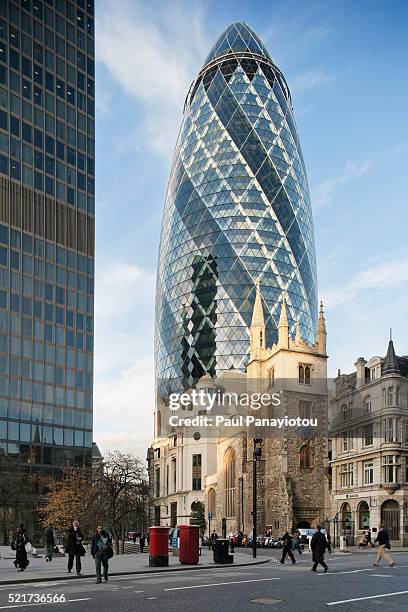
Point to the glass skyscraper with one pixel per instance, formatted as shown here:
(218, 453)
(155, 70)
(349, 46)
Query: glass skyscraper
(237, 209)
(47, 231)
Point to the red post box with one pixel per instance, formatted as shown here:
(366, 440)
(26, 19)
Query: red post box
(158, 546)
(189, 544)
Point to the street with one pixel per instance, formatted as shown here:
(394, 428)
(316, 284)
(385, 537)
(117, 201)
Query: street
(352, 583)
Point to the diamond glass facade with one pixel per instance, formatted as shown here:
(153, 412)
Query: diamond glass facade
(47, 184)
(237, 209)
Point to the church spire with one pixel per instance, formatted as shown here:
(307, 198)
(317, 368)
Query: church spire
(283, 326)
(321, 331)
(258, 314)
(257, 329)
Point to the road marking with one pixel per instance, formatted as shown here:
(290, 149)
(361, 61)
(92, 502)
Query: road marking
(266, 600)
(151, 597)
(380, 576)
(336, 603)
(368, 569)
(138, 591)
(44, 603)
(201, 586)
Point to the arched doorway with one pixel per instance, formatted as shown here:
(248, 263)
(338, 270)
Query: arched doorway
(303, 525)
(363, 515)
(390, 518)
(346, 520)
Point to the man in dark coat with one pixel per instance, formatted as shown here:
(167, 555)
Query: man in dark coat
(142, 541)
(75, 548)
(49, 543)
(287, 541)
(368, 538)
(213, 538)
(19, 545)
(383, 545)
(318, 546)
(101, 550)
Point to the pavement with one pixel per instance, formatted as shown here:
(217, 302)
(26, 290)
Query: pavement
(137, 563)
(351, 585)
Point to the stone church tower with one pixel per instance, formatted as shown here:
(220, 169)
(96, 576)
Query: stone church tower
(292, 481)
(192, 464)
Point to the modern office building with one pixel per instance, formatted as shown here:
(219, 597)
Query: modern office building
(237, 209)
(369, 431)
(47, 230)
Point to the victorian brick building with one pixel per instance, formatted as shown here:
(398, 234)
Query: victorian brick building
(369, 430)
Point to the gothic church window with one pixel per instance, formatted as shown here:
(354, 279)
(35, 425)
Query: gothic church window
(229, 482)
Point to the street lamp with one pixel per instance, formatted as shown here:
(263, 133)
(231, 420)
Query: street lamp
(255, 458)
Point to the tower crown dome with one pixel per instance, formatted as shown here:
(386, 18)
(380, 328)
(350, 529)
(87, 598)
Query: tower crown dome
(237, 38)
(232, 173)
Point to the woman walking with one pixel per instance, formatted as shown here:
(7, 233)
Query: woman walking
(19, 545)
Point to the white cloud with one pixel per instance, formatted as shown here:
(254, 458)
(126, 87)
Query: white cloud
(153, 56)
(327, 191)
(309, 80)
(124, 409)
(123, 388)
(377, 277)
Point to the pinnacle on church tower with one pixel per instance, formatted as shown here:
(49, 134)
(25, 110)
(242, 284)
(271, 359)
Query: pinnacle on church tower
(321, 330)
(283, 326)
(257, 329)
(258, 319)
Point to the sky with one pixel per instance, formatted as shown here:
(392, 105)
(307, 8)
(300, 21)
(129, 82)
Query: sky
(346, 63)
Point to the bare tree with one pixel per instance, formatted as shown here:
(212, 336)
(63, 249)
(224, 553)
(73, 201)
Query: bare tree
(115, 495)
(123, 494)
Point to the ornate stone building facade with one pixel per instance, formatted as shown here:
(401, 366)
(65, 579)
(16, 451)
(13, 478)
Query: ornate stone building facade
(293, 470)
(292, 473)
(369, 431)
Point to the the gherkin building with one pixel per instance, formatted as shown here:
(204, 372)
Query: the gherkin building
(237, 209)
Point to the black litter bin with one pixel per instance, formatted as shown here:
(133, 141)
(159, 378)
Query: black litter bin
(221, 552)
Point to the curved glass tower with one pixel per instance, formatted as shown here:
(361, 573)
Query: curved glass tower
(237, 209)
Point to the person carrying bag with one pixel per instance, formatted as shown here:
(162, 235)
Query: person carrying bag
(102, 551)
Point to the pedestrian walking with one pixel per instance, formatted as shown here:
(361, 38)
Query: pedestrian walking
(142, 541)
(21, 542)
(49, 543)
(75, 548)
(134, 537)
(319, 544)
(287, 541)
(213, 538)
(383, 545)
(296, 542)
(101, 551)
(368, 538)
